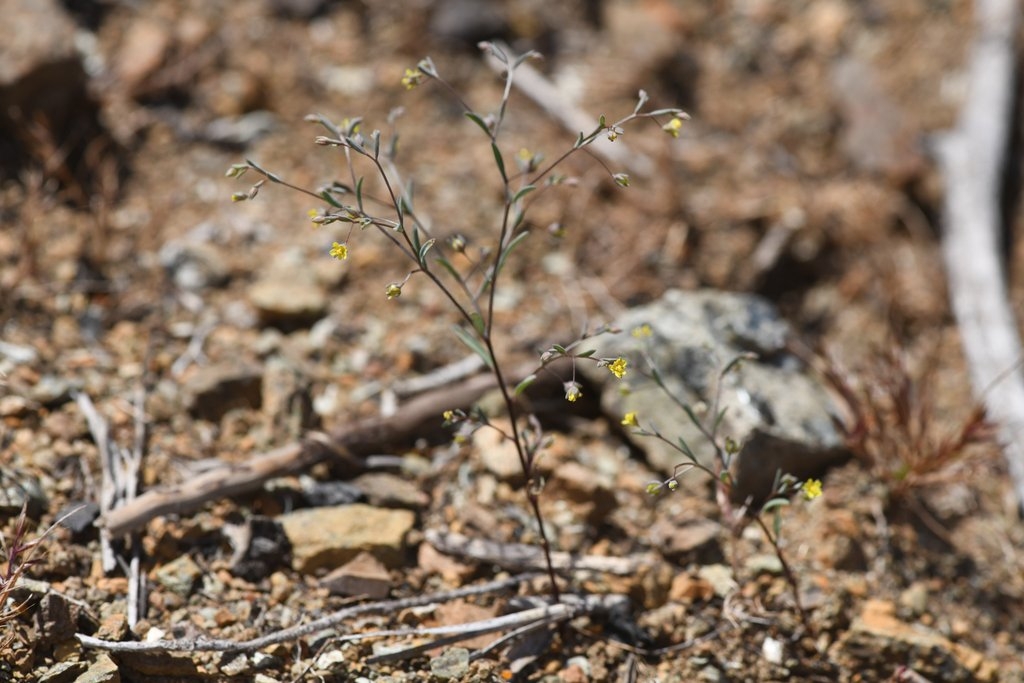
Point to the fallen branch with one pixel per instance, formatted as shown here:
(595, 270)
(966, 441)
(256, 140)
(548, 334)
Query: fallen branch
(202, 644)
(973, 156)
(551, 99)
(519, 556)
(345, 446)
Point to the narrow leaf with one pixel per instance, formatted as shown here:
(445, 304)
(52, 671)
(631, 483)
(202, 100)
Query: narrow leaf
(478, 323)
(447, 265)
(422, 253)
(522, 386)
(475, 118)
(516, 241)
(500, 161)
(523, 192)
(467, 338)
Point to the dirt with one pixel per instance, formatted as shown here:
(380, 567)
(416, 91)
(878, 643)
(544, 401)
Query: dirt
(811, 123)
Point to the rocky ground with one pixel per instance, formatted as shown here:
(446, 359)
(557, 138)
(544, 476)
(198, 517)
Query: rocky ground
(805, 177)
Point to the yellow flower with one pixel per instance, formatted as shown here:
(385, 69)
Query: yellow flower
(449, 415)
(629, 420)
(642, 331)
(393, 291)
(811, 488)
(618, 367)
(339, 251)
(239, 196)
(412, 78)
(673, 127)
(572, 392)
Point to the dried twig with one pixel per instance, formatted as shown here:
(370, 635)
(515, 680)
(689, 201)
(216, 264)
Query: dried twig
(289, 634)
(519, 556)
(973, 156)
(551, 99)
(345, 446)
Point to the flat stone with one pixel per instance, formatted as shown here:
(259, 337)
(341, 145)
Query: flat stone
(363, 576)
(325, 538)
(590, 493)
(878, 642)
(179, 575)
(102, 670)
(214, 390)
(288, 303)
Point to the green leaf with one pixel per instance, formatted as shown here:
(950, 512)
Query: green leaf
(684, 448)
(416, 239)
(579, 141)
(375, 136)
(270, 176)
(523, 192)
(692, 415)
(773, 504)
(516, 241)
(500, 161)
(559, 349)
(422, 253)
(586, 354)
(524, 385)
(359, 193)
(478, 323)
(474, 344)
(777, 524)
(329, 198)
(475, 118)
(447, 265)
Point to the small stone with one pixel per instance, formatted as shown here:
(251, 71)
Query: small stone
(324, 538)
(720, 577)
(288, 303)
(143, 50)
(179, 576)
(236, 665)
(363, 576)
(384, 489)
(688, 589)
(451, 663)
(214, 390)
(590, 492)
(497, 454)
(102, 670)
(113, 627)
(772, 650)
(62, 672)
(194, 267)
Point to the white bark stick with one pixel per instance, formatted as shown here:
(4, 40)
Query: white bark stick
(973, 156)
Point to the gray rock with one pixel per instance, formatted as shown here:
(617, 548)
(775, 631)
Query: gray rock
(179, 576)
(451, 663)
(780, 415)
(194, 267)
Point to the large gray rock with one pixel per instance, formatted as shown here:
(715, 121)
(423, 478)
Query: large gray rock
(772, 405)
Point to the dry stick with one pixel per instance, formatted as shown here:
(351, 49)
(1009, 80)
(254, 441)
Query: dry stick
(972, 158)
(344, 445)
(295, 632)
(100, 431)
(520, 556)
(551, 99)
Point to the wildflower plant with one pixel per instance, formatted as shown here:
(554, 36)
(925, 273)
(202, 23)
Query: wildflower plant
(470, 289)
(725, 449)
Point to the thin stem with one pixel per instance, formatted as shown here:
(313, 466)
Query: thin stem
(788, 573)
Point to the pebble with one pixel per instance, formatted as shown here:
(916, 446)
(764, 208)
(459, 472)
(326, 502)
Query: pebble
(324, 538)
(453, 662)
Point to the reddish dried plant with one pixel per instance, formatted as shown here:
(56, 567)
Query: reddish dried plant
(896, 429)
(16, 556)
